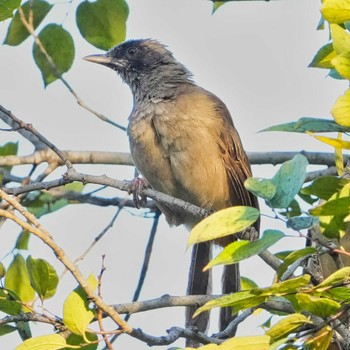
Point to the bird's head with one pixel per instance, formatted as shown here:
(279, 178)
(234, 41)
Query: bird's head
(146, 65)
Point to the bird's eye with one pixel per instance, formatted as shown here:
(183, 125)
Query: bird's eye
(132, 51)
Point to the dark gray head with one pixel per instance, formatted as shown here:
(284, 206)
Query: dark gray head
(148, 67)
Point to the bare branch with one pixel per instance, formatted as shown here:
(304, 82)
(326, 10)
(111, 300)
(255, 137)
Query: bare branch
(75, 157)
(43, 139)
(29, 26)
(163, 302)
(120, 158)
(146, 258)
(174, 333)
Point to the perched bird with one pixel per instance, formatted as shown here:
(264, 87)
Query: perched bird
(184, 143)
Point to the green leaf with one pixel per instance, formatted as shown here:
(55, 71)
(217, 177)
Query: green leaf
(342, 65)
(217, 4)
(42, 203)
(341, 39)
(17, 279)
(254, 342)
(298, 223)
(223, 223)
(324, 187)
(43, 277)
(334, 207)
(288, 181)
(321, 340)
(74, 339)
(8, 149)
(17, 32)
(292, 210)
(287, 326)
(283, 255)
(279, 289)
(262, 188)
(2, 270)
(44, 342)
(76, 312)
(59, 45)
(324, 56)
(293, 257)
(6, 329)
(7, 7)
(341, 109)
(322, 307)
(334, 279)
(304, 125)
(336, 11)
(333, 226)
(247, 283)
(241, 250)
(238, 301)
(9, 302)
(109, 22)
(22, 241)
(334, 74)
(267, 323)
(23, 329)
(341, 294)
(307, 198)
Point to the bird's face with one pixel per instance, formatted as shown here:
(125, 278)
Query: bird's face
(134, 58)
(146, 65)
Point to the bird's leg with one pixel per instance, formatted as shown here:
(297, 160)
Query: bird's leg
(137, 185)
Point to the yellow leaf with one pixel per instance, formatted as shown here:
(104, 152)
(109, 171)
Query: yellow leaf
(258, 342)
(336, 11)
(332, 142)
(44, 342)
(339, 159)
(341, 109)
(342, 64)
(321, 340)
(287, 326)
(76, 312)
(341, 39)
(223, 223)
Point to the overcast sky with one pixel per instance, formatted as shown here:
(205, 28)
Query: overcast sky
(253, 55)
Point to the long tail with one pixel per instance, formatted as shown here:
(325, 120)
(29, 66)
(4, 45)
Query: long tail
(199, 282)
(230, 283)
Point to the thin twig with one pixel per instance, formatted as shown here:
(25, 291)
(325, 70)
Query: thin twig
(146, 259)
(43, 139)
(38, 230)
(99, 311)
(57, 73)
(99, 236)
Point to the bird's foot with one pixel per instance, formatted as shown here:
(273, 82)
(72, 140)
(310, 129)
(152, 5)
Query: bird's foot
(136, 187)
(249, 234)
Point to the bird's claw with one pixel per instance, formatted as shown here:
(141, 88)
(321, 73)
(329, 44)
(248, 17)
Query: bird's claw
(136, 187)
(249, 234)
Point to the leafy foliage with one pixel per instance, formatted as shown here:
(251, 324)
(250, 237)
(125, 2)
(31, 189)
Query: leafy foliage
(322, 204)
(17, 32)
(54, 48)
(109, 18)
(59, 45)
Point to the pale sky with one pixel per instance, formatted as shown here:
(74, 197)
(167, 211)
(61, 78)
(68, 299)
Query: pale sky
(253, 55)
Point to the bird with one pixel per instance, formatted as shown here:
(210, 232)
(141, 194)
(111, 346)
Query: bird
(184, 143)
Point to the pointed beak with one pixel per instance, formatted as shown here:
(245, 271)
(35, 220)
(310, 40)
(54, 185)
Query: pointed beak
(101, 59)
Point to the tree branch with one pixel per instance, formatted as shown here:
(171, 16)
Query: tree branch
(34, 227)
